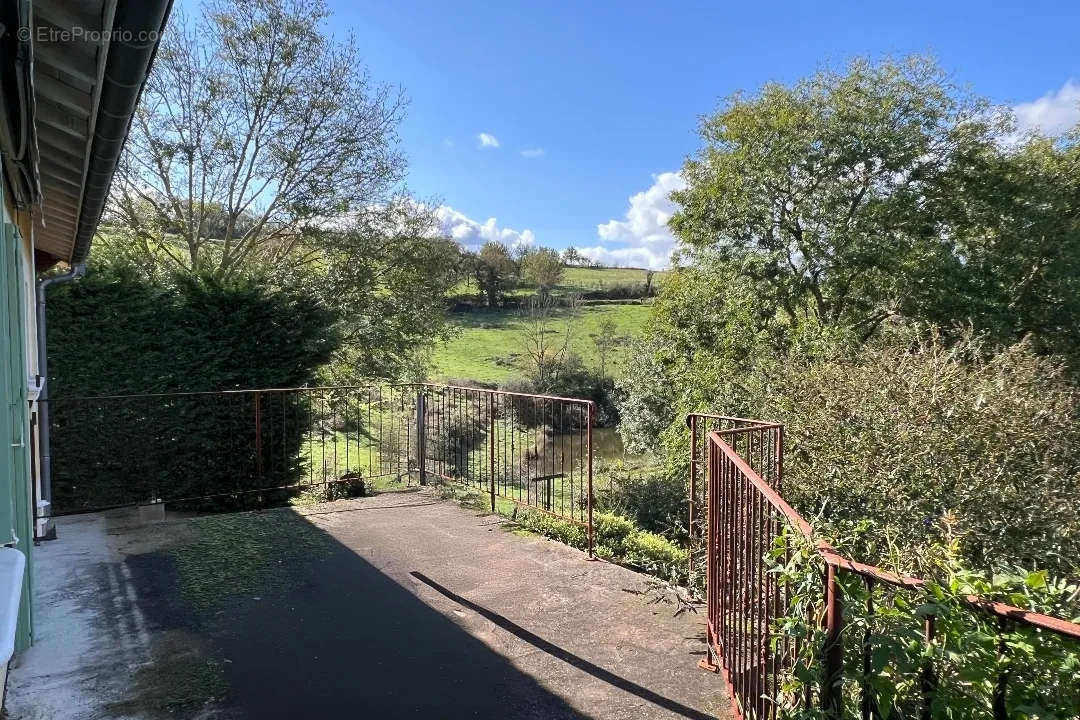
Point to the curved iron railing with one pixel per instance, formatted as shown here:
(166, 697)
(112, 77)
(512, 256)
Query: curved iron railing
(746, 516)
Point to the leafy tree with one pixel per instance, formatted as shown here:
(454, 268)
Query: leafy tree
(542, 267)
(494, 269)
(263, 147)
(815, 191)
(571, 256)
(255, 129)
(386, 274)
(1015, 215)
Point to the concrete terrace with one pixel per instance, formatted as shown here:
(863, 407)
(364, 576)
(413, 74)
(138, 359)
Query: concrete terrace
(398, 605)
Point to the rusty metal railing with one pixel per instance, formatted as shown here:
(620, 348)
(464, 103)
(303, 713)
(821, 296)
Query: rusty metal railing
(230, 448)
(744, 599)
(532, 451)
(760, 442)
(237, 447)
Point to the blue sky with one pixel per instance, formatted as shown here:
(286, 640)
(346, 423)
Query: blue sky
(607, 94)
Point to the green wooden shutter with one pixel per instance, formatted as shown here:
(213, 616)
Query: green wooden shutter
(15, 513)
(9, 291)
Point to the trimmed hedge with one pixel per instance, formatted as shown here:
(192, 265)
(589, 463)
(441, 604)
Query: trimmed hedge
(617, 539)
(118, 332)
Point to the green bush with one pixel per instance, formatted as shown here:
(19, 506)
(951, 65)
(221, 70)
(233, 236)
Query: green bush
(934, 441)
(612, 532)
(924, 436)
(656, 554)
(971, 647)
(564, 531)
(570, 379)
(455, 435)
(616, 539)
(654, 498)
(117, 332)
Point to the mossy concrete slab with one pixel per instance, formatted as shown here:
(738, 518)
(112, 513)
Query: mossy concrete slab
(398, 605)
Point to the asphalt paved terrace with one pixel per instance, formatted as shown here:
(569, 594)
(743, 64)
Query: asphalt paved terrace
(395, 606)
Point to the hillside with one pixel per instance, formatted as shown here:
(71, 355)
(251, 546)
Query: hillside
(489, 345)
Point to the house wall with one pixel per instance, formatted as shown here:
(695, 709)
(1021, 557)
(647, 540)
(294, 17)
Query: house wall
(19, 365)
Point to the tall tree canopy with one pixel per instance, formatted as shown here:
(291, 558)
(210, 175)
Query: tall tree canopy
(262, 148)
(885, 191)
(816, 191)
(542, 267)
(254, 129)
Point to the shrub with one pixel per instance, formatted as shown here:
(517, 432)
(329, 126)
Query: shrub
(932, 441)
(654, 498)
(454, 437)
(971, 647)
(117, 332)
(925, 437)
(616, 539)
(611, 532)
(568, 379)
(656, 554)
(619, 291)
(564, 531)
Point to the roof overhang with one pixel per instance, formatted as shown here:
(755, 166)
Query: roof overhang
(80, 66)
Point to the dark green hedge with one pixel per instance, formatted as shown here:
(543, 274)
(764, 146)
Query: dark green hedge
(118, 333)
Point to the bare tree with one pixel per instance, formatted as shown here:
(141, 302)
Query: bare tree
(605, 340)
(547, 333)
(255, 131)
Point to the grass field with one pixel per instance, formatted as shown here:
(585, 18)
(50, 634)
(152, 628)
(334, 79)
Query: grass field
(593, 278)
(489, 346)
(578, 279)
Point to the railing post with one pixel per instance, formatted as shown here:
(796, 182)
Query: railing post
(491, 446)
(258, 438)
(928, 680)
(588, 453)
(693, 490)
(1001, 687)
(780, 458)
(421, 439)
(832, 687)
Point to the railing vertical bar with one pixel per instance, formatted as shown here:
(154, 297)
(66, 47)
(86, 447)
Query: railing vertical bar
(759, 602)
(588, 426)
(744, 584)
(1001, 686)
(831, 692)
(491, 446)
(729, 562)
(928, 679)
(867, 690)
(693, 490)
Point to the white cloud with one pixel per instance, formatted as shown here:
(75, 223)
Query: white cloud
(487, 140)
(532, 152)
(1053, 113)
(643, 238)
(450, 144)
(472, 234)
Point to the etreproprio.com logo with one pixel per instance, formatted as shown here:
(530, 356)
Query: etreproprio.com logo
(77, 33)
